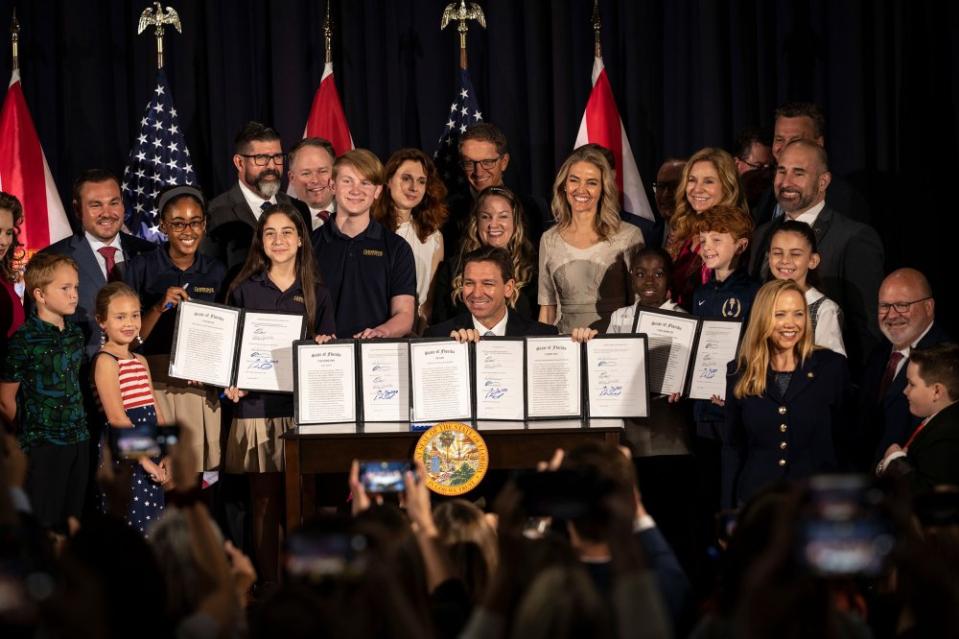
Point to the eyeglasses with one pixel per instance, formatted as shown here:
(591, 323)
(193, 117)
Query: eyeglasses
(195, 225)
(753, 165)
(901, 307)
(488, 164)
(262, 159)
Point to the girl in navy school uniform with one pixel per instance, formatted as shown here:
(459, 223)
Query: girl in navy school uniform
(279, 275)
(125, 391)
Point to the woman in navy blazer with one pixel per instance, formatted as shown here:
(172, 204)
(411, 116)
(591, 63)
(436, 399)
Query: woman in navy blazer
(784, 398)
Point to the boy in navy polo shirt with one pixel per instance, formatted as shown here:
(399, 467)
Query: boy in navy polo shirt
(368, 270)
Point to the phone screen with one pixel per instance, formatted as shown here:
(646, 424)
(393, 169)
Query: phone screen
(383, 476)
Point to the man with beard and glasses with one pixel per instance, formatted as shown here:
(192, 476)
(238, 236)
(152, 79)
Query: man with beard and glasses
(852, 253)
(101, 249)
(260, 163)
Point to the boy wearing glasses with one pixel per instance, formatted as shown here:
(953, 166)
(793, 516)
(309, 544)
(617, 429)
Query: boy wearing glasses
(260, 163)
(174, 273)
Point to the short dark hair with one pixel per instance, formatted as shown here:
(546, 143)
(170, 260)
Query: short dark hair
(498, 256)
(822, 158)
(174, 193)
(747, 138)
(486, 132)
(94, 176)
(609, 470)
(253, 132)
(640, 251)
(804, 109)
(320, 143)
(939, 364)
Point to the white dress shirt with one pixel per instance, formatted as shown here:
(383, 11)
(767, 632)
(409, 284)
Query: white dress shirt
(254, 201)
(96, 244)
(314, 217)
(810, 216)
(499, 330)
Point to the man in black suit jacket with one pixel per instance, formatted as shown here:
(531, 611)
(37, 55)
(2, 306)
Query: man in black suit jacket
(101, 250)
(233, 215)
(851, 267)
(487, 287)
(907, 319)
(928, 457)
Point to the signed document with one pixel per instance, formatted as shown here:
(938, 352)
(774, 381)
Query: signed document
(500, 378)
(325, 383)
(671, 338)
(440, 379)
(616, 376)
(385, 380)
(265, 358)
(718, 342)
(553, 378)
(204, 343)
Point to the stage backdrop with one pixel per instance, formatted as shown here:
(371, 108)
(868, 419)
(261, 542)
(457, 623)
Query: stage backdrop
(686, 74)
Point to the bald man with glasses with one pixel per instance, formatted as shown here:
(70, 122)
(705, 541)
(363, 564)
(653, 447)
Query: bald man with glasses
(260, 163)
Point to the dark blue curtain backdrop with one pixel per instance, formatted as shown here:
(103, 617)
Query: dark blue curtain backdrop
(686, 74)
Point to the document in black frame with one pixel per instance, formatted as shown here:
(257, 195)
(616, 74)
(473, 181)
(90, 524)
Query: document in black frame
(672, 337)
(553, 378)
(616, 376)
(499, 370)
(265, 355)
(384, 373)
(440, 381)
(204, 342)
(325, 382)
(716, 346)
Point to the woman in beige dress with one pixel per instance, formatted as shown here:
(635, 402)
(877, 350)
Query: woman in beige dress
(583, 259)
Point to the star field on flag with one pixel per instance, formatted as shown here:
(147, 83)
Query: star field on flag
(463, 112)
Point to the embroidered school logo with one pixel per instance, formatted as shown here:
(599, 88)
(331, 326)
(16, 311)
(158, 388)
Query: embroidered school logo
(732, 307)
(204, 289)
(373, 252)
(299, 299)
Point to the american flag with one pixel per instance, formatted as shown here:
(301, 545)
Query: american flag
(463, 112)
(159, 158)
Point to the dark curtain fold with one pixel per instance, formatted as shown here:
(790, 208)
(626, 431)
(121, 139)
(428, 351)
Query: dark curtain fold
(686, 74)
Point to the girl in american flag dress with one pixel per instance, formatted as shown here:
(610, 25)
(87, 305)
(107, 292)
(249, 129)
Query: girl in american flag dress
(125, 391)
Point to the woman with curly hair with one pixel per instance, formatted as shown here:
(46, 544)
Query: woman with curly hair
(497, 219)
(11, 308)
(414, 207)
(709, 178)
(584, 259)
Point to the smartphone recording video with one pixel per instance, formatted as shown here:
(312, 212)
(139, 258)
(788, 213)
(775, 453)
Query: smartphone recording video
(843, 531)
(137, 442)
(324, 549)
(383, 476)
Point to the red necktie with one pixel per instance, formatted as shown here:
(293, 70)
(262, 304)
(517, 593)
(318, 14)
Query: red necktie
(109, 256)
(916, 432)
(894, 358)
(323, 215)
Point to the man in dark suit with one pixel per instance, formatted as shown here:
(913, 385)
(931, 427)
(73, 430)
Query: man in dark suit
(907, 319)
(101, 250)
(488, 285)
(928, 457)
(851, 267)
(232, 216)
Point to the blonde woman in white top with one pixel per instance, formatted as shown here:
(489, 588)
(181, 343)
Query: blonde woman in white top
(793, 256)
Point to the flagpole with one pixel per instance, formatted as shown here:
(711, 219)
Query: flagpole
(462, 13)
(15, 40)
(328, 33)
(597, 43)
(157, 18)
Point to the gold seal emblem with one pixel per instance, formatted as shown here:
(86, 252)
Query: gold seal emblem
(455, 457)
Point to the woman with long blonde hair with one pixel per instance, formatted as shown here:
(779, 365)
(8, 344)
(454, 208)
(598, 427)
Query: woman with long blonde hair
(784, 399)
(584, 258)
(709, 178)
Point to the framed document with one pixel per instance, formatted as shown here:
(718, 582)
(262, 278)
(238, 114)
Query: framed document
(265, 357)
(500, 378)
(553, 378)
(671, 337)
(616, 384)
(440, 380)
(204, 342)
(716, 347)
(324, 384)
(384, 380)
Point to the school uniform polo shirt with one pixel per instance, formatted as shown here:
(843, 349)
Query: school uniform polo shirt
(151, 274)
(259, 293)
(363, 273)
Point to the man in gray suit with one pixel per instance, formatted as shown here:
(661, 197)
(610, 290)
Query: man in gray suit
(233, 215)
(851, 269)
